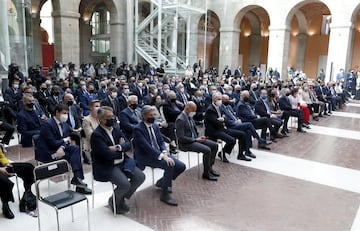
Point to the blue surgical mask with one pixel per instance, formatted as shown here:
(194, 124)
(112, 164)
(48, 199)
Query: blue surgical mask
(264, 97)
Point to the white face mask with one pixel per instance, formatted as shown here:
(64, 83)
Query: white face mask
(126, 91)
(218, 103)
(16, 86)
(113, 95)
(191, 114)
(63, 118)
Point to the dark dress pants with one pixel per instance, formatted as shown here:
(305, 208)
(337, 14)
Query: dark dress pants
(263, 124)
(72, 155)
(9, 130)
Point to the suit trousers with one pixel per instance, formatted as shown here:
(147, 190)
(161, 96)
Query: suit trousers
(229, 136)
(263, 123)
(250, 132)
(9, 130)
(25, 172)
(72, 155)
(208, 148)
(170, 172)
(125, 187)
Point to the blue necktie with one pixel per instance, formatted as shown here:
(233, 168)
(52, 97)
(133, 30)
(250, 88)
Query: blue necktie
(71, 118)
(153, 141)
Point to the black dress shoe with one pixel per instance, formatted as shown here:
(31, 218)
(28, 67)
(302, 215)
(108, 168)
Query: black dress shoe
(266, 142)
(250, 154)
(209, 177)
(262, 146)
(121, 208)
(78, 182)
(284, 133)
(242, 157)
(83, 190)
(7, 211)
(279, 135)
(301, 131)
(166, 198)
(159, 185)
(225, 160)
(214, 173)
(316, 118)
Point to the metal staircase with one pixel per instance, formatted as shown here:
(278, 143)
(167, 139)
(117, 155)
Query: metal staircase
(156, 34)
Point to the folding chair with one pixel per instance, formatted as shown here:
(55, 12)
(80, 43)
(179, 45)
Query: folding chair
(60, 199)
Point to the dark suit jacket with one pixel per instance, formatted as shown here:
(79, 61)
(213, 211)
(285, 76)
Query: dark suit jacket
(140, 93)
(76, 113)
(29, 124)
(101, 155)
(260, 108)
(13, 98)
(42, 98)
(170, 113)
(284, 103)
(230, 117)
(244, 112)
(144, 152)
(253, 96)
(51, 104)
(128, 121)
(50, 139)
(212, 124)
(183, 130)
(102, 94)
(122, 102)
(117, 109)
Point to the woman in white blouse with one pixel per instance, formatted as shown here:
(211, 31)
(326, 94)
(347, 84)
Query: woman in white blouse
(89, 124)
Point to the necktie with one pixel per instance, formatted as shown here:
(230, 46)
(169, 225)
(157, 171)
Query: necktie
(71, 118)
(60, 129)
(231, 113)
(154, 143)
(267, 108)
(184, 98)
(192, 128)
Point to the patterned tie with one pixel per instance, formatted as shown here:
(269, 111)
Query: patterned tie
(153, 141)
(192, 128)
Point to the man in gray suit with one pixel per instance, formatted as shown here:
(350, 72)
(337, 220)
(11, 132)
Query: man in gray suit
(189, 140)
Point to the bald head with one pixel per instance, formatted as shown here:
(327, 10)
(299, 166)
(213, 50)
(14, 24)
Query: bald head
(190, 107)
(244, 94)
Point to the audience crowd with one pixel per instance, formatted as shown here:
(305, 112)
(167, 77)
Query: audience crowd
(119, 119)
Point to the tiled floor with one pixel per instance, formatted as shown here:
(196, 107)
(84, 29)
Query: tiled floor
(306, 182)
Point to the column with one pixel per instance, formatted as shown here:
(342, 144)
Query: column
(37, 39)
(192, 39)
(4, 31)
(66, 36)
(279, 39)
(255, 49)
(118, 46)
(229, 48)
(339, 53)
(130, 31)
(85, 44)
(300, 57)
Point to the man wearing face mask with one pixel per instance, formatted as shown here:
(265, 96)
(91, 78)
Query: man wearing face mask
(172, 107)
(74, 120)
(215, 128)
(181, 94)
(112, 101)
(153, 91)
(55, 143)
(189, 140)
(86, 97)
(29, 121)
(102, 92)
(150, 150)
(110, 161)
(54, 99)
(130, 116)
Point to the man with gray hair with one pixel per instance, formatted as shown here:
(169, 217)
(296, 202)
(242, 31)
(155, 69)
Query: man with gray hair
(130, 116)
(150, 150)
(110, 160)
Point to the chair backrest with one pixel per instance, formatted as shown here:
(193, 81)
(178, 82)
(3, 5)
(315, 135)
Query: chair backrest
(51, 169)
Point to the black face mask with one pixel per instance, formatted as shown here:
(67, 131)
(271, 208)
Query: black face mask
(70, 103)
(30, 105)
(272, 95)
(287, 94)
(226, 103)
(133, 106)
(246, 99)
(110, 122)
(91, 91)
(150, 120)
(43, 89)
(56, 93)
(173, 100)
(255, 89)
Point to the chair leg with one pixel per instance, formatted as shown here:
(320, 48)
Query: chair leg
(19, 147)
(17, 186)
(93, 191)
(57, 219)
(88, 214)
(37, 203)
(188, 159)
(114, 199)
(198, 158)
(153, 177)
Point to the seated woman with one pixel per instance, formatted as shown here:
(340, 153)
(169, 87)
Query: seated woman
(168, 130)
(25, 172)
(89, 124)
(297, 103)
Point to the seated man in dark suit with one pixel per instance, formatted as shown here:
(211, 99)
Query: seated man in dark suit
(12, 96)
(246, 114)
(233, 122)
(150, 151)
(112, 101)
(262, 108)
(189, 140)
(55, 142)
(130, 116)
(110, 161)
(285, 105)
(215, 129)
(29, 121)
(172, 107)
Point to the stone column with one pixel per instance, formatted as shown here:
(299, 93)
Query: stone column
(4, 31)
(192, 39)
(118, 47)
(66, 27)
(339, 52)
(301, 51)
(279, 39)
(85, 44)
(229, 48)
(130, 51)
(37, 38)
